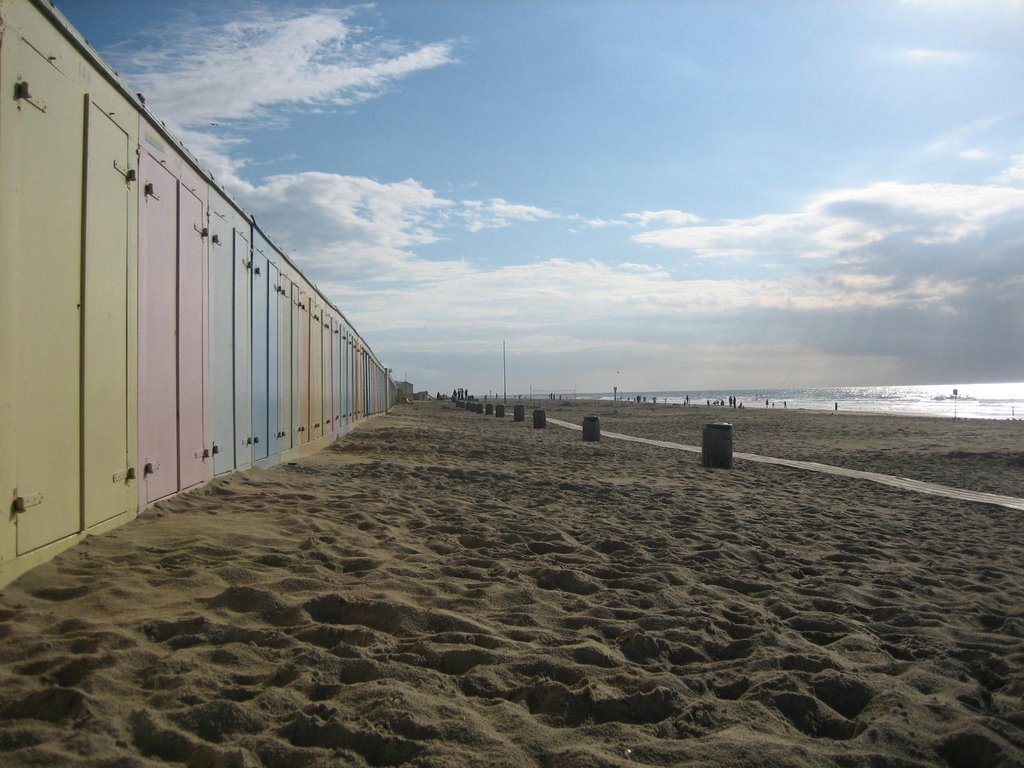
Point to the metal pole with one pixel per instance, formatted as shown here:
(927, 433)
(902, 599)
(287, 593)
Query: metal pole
(504, 374)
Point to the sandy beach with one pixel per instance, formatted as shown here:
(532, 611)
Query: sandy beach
(441, 588)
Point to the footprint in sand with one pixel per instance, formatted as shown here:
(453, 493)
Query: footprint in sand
(973, 749)
(814, 718)
(845, 695)
(564, 580)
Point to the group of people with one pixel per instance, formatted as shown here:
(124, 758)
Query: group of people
(733, 402)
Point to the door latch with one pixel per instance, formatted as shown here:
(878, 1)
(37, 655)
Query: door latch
(23, 503)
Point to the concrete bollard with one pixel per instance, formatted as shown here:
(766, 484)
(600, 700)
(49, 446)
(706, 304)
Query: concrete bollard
(519, 413)
(716, 446)
(591, 429)
(540, 418)
(499, 411)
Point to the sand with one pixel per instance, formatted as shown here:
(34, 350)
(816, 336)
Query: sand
(442, 588)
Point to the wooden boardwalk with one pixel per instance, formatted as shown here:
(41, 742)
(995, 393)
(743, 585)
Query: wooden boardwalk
(903, 483)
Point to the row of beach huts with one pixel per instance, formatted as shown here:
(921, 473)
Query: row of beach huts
(151, 335)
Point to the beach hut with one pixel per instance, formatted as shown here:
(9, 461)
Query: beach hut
(68, 136)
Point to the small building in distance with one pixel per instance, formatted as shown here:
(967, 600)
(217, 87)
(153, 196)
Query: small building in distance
(404, 391)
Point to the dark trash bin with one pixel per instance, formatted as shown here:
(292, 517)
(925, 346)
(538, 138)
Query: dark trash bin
(591, 428)
(540, 418)
(499, 411)
(716, 446)
(490, 409)
(519, 413)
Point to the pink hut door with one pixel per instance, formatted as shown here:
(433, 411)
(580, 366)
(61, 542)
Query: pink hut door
(194, 460)
(158, 376)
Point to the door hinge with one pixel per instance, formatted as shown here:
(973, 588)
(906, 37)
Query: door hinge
(23, 503)
(123, 477)
(128, 173)
(22, 93)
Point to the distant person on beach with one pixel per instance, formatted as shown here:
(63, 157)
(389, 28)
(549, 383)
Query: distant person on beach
(837, 406)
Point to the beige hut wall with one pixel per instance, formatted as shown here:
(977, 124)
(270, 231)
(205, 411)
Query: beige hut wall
(68, 298)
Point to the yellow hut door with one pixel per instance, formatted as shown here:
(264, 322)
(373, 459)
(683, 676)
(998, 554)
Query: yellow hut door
(108, 487)
(42, 152)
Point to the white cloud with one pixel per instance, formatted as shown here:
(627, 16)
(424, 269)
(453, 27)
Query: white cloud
(536, 297)
(646, 219)
(496, 213)
(930, 55)
(237, 71)
(345, 224)
(1015, 171)
(258, 67)
(975, 154)
(605, 223)
(350, 229)
(672, 217)
(958, 140)
(843, 221)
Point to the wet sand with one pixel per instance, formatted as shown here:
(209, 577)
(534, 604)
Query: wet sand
(445, 588)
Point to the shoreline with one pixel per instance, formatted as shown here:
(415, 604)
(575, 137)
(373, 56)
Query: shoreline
(441, 587)
(537, 402)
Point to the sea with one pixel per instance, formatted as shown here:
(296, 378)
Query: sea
(961, 401)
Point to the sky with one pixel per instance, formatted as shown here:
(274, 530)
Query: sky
(644, 194)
